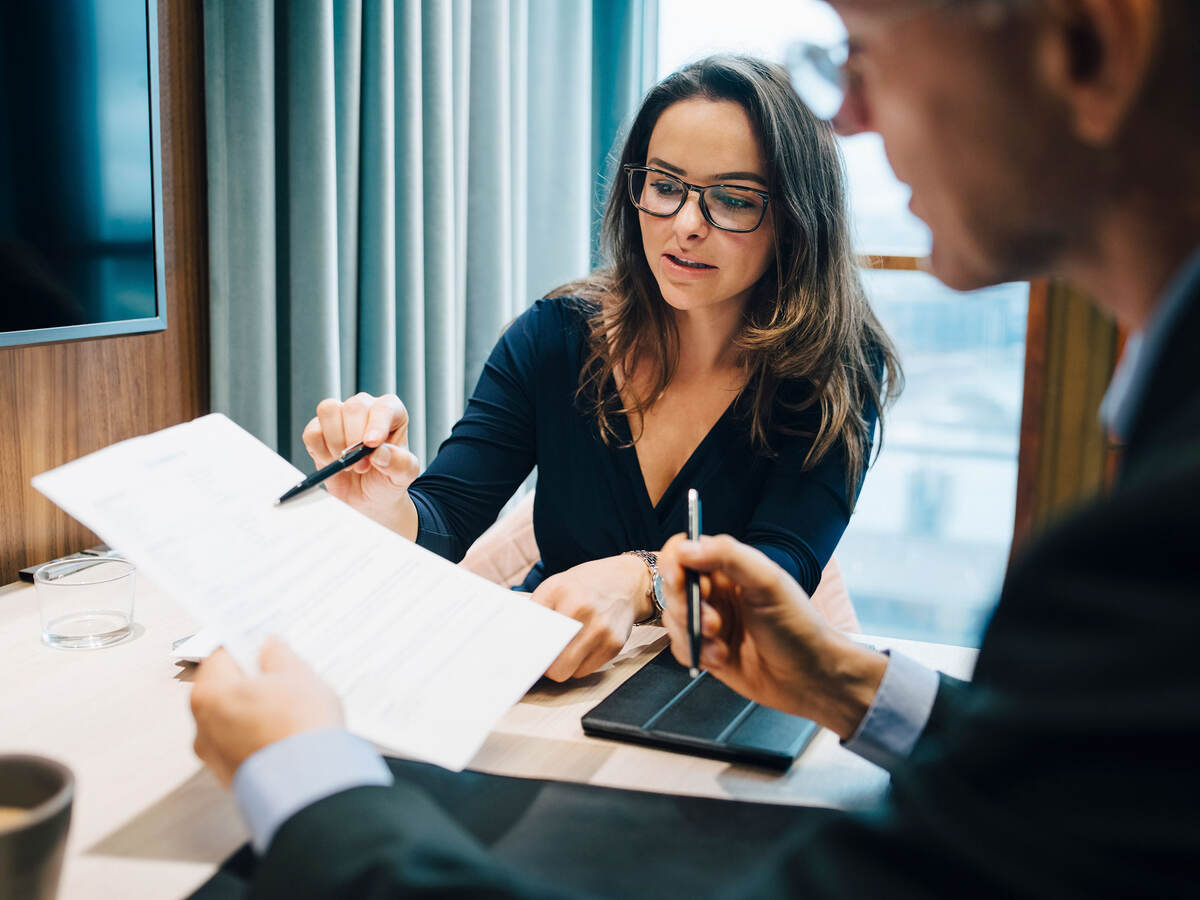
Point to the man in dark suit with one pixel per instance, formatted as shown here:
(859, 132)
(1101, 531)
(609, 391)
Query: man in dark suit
(1038, 136)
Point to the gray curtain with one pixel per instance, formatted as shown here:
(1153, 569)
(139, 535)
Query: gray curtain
(391, 183)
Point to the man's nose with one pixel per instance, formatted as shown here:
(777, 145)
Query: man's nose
(853, 117)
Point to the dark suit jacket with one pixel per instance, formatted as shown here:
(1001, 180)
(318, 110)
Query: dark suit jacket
(1070, 766)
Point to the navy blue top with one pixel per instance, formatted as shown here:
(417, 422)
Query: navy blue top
(591, 500)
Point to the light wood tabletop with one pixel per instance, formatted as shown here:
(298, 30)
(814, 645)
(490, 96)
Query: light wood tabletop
(149, 822)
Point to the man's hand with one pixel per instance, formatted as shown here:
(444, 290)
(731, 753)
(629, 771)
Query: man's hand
(762, 636)
(607, 596)
(237, 714)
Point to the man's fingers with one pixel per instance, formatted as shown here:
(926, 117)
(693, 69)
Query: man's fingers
(712, 624)
(744, 565)
(675, 620)
(714, 655)
(210, 688)
(276, 656)
(218, 670)
(207, 754)
(677, 603)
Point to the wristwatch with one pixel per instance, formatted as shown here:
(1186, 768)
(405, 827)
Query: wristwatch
(655, 594)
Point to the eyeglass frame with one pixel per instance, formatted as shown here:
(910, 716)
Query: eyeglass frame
(830, 61)
(700, 189)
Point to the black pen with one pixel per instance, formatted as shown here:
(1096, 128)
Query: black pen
(693, 583)
(349, 457)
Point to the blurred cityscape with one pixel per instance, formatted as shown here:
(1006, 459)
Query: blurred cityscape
(926, 549)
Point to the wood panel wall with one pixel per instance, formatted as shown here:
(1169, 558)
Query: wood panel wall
(60, 401)
(1071, 348)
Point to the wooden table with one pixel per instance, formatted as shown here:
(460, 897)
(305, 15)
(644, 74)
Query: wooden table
(149, 822)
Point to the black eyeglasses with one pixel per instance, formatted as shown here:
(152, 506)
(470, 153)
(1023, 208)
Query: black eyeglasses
(728, 207)
(818, 71)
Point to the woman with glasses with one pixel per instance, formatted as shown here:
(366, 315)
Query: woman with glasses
(727, 346)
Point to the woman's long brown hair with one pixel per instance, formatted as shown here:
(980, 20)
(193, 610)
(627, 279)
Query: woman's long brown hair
(807, 318)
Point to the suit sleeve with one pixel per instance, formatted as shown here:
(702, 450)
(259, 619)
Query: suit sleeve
(378, 842)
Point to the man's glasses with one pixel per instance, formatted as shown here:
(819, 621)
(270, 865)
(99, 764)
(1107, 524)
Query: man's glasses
(724, 206)
(818, 70)
(818, 73)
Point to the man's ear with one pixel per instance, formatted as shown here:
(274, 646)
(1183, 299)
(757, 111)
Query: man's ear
(1095, 55)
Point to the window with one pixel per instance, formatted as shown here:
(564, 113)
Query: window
(926, 548)
(925, 552)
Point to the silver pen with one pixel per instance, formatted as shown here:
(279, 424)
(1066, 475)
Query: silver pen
(693, 583)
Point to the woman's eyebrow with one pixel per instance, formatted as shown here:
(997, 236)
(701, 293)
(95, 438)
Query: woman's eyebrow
(741, 176)
(663, 164)
(724, 176)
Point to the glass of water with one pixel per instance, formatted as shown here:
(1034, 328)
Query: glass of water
(85, 602)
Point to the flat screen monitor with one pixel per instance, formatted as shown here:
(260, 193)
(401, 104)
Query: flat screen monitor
(80, 187)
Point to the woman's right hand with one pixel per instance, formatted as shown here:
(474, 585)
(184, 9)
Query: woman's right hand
(376, 486)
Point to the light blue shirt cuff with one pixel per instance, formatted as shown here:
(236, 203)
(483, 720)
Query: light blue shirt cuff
(898, 714)
(282, 778)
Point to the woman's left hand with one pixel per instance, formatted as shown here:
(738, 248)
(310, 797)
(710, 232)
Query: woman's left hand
(607, 596)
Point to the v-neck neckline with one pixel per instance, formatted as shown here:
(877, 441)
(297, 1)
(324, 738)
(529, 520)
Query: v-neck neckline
(675, 488)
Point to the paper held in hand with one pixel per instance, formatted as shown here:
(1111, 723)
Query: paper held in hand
(425, 655)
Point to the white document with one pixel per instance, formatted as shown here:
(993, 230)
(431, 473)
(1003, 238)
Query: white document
(425, 655)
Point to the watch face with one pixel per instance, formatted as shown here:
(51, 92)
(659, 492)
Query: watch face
(657, 587)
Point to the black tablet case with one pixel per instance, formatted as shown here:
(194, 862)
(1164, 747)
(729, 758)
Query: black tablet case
(662, 706)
